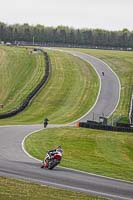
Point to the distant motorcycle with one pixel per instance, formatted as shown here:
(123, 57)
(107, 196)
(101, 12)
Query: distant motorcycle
(51, 161)
(45, 122)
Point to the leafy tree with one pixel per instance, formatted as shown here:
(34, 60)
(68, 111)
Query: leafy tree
(64, 35)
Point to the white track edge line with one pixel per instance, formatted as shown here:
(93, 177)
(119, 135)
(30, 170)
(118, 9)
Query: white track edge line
(23, 148)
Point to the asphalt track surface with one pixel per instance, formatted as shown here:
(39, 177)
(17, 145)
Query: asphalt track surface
(14, 162)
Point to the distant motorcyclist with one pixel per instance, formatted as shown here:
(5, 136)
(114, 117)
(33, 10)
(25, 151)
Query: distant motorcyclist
(46, 122)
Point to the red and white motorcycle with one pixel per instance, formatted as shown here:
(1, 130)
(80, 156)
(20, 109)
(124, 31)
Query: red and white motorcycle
(51, 161)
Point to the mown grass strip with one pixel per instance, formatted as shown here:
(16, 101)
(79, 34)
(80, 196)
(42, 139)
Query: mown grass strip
(101, 152)
(11, 189)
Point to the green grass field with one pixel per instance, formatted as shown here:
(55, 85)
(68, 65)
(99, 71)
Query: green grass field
(20, 72)
(70, 92)
(100, 152)
(11, 189)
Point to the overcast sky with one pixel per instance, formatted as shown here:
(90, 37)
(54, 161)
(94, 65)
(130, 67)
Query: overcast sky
(104, 14)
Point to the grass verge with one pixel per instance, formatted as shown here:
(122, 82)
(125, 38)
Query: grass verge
(11, 189)
(100, 152)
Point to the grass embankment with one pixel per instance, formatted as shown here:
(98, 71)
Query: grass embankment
(72, 87)
(18, 190)
(100, 152)
(122, 63)
(20, 72)
(70, 92)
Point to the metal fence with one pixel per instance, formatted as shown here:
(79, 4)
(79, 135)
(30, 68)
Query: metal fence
(131, 111)
(96, 125)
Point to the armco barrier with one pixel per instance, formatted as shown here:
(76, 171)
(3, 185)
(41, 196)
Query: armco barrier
(28, 99)
(131, 110)
(105, 127)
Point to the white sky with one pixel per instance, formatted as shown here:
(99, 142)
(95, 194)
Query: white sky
(104, 14)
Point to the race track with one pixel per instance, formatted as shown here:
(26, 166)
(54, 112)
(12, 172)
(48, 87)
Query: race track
(15, 163)
(109, 90)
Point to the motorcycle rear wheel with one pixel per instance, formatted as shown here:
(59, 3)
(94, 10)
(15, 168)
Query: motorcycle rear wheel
(52, 165)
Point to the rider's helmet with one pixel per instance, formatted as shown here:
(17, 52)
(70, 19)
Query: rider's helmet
(46, 119)
(59, 149)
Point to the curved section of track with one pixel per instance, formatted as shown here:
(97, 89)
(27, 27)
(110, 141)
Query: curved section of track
(109, 90)
(15, 163)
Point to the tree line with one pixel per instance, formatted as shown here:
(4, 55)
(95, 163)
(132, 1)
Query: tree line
(66, 36)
